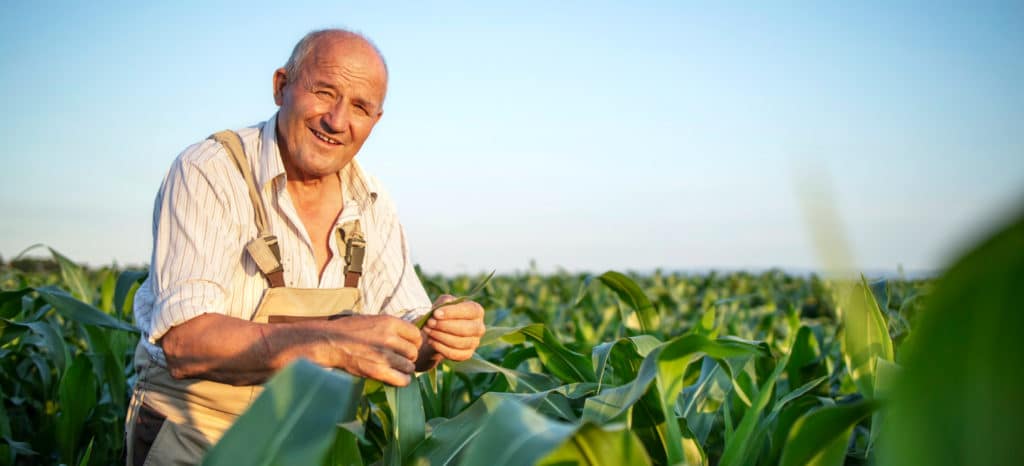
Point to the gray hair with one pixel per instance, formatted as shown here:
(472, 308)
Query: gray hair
(305, 46)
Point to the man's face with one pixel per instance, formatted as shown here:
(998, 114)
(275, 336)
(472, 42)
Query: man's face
(328, 110)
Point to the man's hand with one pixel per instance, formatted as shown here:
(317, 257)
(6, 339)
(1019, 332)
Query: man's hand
(453, 332)
(379, 347)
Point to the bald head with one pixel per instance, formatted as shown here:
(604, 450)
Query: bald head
(315, 41)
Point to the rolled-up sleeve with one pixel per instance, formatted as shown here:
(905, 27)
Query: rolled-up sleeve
(196, 245)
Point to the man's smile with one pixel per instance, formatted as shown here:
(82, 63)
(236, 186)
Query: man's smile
(325, 138)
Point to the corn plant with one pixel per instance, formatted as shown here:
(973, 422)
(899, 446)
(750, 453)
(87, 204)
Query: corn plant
(664, 368)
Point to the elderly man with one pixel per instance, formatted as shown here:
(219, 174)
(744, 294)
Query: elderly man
(272, 244)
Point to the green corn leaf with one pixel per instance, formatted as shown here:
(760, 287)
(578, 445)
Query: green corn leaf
(957, 398)
(293, 420)
(87, 455)
(10, 302)
(669, 359)
(743, 441)
(408, 422)
(422, 320)
(53, 341)
(344, 450)
(634, 296)
(821, 436)
(127, 282)
(622, 354)
(591, 445)
(567, 365)
(515, 435)
(522, 382)
(77, 395)
(79, 311)
(448, 439)
(74, 277)
(865, 336)
(784, 420)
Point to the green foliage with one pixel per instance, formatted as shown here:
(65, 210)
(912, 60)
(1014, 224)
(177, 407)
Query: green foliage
(293, 421)
(65, 364)
(713, 369)
(957, 399)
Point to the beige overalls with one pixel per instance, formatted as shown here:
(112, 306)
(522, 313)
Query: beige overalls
(175, 421)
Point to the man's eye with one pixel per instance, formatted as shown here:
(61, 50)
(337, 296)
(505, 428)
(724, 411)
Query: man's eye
(324, 93)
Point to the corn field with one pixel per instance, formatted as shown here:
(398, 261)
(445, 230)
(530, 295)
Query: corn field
(729, 369)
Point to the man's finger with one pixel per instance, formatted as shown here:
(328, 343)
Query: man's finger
(401, 346)
(399, 362)
(468, 310)
(381, 371)
(453, 354)
(455, 341)
(405, 330)
(462, 328)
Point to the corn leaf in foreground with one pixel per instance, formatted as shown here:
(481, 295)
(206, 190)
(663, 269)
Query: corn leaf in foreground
(408, 422)
(293, 421)
(957, 399)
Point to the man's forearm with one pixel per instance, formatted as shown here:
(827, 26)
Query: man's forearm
(238, 352)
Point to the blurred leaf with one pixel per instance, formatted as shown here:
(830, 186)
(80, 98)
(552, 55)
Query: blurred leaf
(87, 455)
(107, 293)
(820, 437)
(344, 450)
(126, 281)
(10, 302)
(805, 352)
(865, 336)
(292, 421)
(74, 277)
(79, 311)
(957, 399)
(54, 342)
(634, 296)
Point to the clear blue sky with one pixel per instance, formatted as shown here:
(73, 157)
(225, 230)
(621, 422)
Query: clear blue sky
(584, 135)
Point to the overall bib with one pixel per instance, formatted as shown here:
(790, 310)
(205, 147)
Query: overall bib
(175, 421)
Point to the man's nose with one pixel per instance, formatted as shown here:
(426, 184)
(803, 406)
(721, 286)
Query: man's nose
(336, 119)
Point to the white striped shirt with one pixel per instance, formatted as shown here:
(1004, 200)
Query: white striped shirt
(203, 217)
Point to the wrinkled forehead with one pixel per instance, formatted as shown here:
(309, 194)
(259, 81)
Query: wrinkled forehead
(346, 57)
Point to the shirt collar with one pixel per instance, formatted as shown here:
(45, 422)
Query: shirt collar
(357, 185)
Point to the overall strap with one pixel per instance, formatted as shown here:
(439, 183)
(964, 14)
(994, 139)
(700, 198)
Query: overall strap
(351, 235)
(264, 250)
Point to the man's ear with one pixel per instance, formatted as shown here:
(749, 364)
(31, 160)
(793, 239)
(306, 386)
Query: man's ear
(280, 81)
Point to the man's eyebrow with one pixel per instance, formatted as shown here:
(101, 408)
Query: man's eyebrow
(327, 84)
